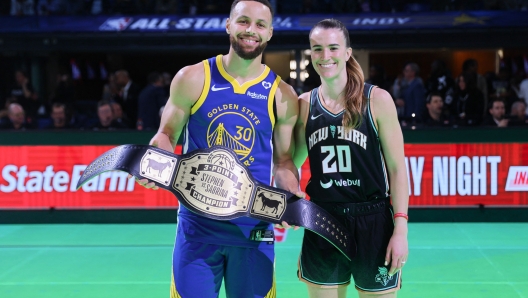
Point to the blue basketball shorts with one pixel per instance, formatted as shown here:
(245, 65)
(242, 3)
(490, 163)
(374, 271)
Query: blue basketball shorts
(198, 270)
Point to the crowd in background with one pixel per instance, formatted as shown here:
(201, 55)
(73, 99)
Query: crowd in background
(442, 98)
(468, 99)
(193, 7)
(123, 104)
(437, 99)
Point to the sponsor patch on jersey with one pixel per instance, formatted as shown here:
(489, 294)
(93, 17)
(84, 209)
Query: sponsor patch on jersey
(340, 182)
(256, 95)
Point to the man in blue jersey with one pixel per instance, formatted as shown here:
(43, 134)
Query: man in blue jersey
(236, 101)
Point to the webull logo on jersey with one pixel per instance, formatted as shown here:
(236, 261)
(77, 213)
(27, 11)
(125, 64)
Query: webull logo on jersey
(21, 180)
(341, 182)
(255, 95)
(116, 24)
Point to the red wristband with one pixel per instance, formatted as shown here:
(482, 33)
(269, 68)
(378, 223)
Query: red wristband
(401, 215)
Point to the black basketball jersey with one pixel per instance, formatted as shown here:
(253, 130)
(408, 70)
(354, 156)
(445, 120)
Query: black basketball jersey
(347, 166)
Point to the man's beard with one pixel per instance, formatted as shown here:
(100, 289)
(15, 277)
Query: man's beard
(247, 55)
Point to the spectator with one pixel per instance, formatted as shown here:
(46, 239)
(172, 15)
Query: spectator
(523, 91)
(465, 101)
(502, 87)
(59, 116)
(412, 94)
(518, 116)
(64, 91)
(25, 94)
(22, 8)
(16, 118)
(105, 113)
(151, 100)
(119, 116)
(167, 80)
(440, 79)
(4, 111)
(434, 114)
(497, 112)
(110, 89)
(128, 94)
(377, 77)
(470, 67)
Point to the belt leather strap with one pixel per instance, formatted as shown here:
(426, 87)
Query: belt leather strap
(213, 183)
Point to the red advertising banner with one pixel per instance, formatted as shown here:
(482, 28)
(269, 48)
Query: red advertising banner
(439, 175)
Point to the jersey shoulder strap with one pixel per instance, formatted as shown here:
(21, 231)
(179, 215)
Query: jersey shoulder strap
(367, 89)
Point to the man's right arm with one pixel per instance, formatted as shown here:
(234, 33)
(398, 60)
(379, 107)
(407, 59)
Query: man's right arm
(185, 89)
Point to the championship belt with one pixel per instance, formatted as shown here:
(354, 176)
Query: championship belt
(213, 183)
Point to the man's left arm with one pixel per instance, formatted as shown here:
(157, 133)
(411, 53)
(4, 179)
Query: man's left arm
(285, 172)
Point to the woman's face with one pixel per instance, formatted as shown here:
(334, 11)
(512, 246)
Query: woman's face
(329, 52)
(461, 83)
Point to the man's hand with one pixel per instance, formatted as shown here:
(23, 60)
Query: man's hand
(145, 183)
(503, 123)
(285, 225)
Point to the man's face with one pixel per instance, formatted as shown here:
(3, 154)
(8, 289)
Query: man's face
(19, 77)
(408, 73)
(461, 83)
(105, 115)
(59, 116)
(16, 115)
(436, 105)
(249, 27)
(118, 112)
(121, 79)
(497, 110)
(519, 111)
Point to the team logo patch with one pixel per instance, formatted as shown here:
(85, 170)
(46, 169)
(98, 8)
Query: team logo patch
(158, 167)
(233, 130)
(266, 85)
(116, 24)
(383, 276)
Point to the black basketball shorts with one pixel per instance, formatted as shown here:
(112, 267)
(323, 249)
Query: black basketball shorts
(321, 264)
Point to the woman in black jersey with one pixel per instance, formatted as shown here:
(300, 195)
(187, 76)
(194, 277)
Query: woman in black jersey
(350, 132)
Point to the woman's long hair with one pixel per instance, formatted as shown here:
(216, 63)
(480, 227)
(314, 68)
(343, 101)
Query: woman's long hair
(355, 102)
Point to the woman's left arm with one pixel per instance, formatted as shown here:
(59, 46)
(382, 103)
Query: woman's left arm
(391, 138)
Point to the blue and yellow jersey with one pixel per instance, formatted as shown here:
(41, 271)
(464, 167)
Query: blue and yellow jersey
(241, 117)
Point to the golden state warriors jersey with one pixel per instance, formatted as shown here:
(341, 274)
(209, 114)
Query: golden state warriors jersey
(241, 117)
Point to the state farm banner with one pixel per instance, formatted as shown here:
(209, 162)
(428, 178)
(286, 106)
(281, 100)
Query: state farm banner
(46, 176)
(439, 175)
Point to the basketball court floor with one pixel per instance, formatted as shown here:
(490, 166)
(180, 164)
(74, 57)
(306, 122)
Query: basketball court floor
(127, 260)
